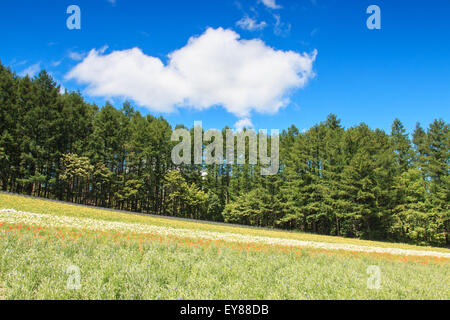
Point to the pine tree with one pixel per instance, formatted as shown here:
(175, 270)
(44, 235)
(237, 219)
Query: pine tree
(402, 146)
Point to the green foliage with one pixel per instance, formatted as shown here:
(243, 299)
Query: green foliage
(257, 208)
(353, 182)
(184, 198)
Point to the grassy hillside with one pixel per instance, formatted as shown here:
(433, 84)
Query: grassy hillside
(119, 258)
(63, 209)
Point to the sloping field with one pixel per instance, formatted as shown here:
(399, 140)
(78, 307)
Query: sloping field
(12, 216)
(27, 204)
(52, 250)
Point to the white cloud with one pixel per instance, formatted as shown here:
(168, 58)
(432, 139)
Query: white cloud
(31, 71)
(113, 2)
(14, 63)
(215, 68)
(77, 56)
(281, 28)
(250, 24)
(271, 4)
(56, 63)
(103, 49)
(243, 123)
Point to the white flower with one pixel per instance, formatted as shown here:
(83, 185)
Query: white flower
(13, 216)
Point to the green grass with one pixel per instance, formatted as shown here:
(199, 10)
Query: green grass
(36, 269)
(33, 264)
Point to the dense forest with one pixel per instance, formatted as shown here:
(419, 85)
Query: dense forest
(352, 182)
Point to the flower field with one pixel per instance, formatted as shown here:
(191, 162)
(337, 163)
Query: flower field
(124, 257)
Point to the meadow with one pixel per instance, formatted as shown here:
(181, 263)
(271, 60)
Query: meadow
(44, 244)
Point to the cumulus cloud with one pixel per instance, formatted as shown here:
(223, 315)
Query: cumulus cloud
(271, 4)
(250, 24)
(243, 123)
(215, 68)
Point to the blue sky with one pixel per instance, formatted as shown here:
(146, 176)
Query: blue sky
(362, 75)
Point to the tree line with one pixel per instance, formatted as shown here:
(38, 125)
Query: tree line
(351, 182)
